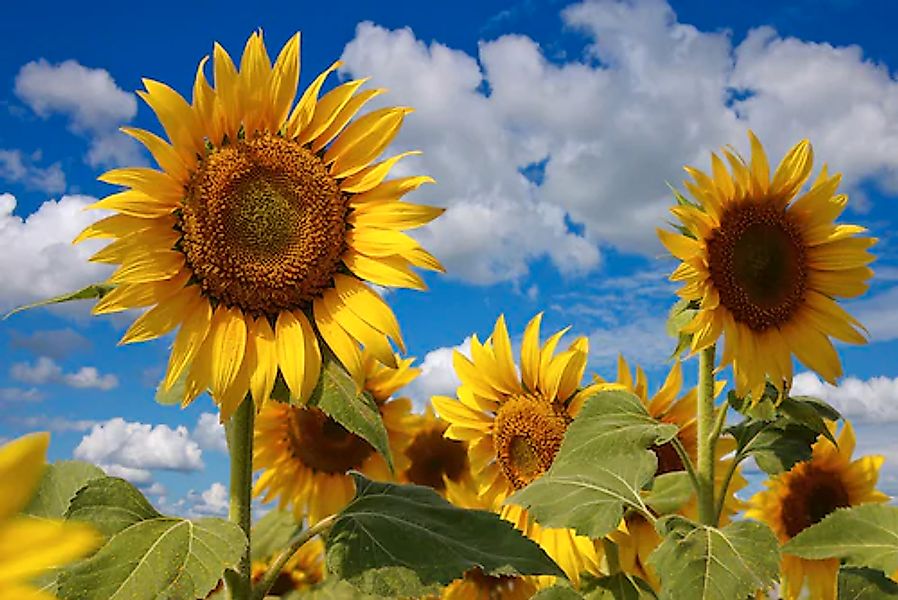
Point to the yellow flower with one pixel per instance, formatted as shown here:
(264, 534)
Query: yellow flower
(434, 459)
(475, 585)
(302, 571)
(30, 546)
(804, 495)
(638, 539)
(260, 228)
(305, 455)
(767, 269)
(514, 426)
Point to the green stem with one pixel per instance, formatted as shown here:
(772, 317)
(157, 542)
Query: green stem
(705, 418)
(293, 546)
(731, 470)
(687, 462)
(612, 557)
(719, 422)
(240, 445)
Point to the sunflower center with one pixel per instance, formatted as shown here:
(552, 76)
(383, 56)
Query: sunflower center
(263, 225)
(668, 459)
(812, 494)
(757, 260)
(527, 435)
(324, 445)
(433, 456)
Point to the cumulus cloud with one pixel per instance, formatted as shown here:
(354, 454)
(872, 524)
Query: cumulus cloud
(604, 131)
(94, 105)
(15, 167)
(209, 433)
(55, 343)
(43, 242)
(874, 400)
(45, 370)
(134, 445)
(437, 376)
(211, 502)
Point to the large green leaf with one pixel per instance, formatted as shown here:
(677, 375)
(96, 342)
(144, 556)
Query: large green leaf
(271, 533)
(336, 394)
(866, 584)
(601, 468)
(669, 492)
(776, 446)
(705, 563)
(96, 290)
(147, 555)
(402, 540)
(864, 536)
(58, 485)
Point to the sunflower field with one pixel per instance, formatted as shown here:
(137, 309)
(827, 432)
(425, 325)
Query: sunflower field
(262, 242)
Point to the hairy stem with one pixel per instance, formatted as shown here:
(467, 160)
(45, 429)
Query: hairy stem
(293, 546)
(240, 446)
(705, 466)
(731, 470)
(687, 462)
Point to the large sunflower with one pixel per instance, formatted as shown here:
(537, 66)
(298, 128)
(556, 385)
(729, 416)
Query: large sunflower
(767, 269)
(514, 425)
(305, 455)
(639, 539)
(433, 459)
(257, 233)
(30, 546)
(809, 491)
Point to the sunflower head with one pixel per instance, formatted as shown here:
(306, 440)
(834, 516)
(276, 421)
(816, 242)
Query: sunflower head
(767, 267)
(305, 455)
(808, 492)
(257, 233)
(435, 460)
(514, 424)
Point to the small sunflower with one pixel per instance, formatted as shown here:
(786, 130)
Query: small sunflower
(305, 455)
(639, 539)
(514, 425)
(766, 269)
(808, 492)
(434, 459)
(304, 570)
(258, 232)
(475, 585)
(31, 546)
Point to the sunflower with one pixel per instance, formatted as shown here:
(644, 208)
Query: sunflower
(304, 569)
(514, 425)
(305, 455)
(805, 494)
(475, 585)
(433, 459)
(767, 269)
(30, 546)
(638, 539)
(259, 229)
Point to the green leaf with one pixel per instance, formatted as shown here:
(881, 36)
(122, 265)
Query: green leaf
(271, 533)
(864, 536)
(402, 540)
(147, 555)
(706, 563)
(824, 409)
(58, 485)
(669, 492)
(680, 315)
(621, 586)
(865, 584)
(174, 395)
(776, 446)
(330, 589)
(601, 468)
(558, 592)
(337, 395)
(763, 410)
(804, 413)
(96, 290)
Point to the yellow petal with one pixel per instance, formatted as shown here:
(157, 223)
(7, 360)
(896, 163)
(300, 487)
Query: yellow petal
(284, 80)
(165, 156)
(343, 117)
(187, 343)
(389, 270)
(680, 246)
(135, 204)
(159, 186)
(374, 341)
(152, 266)
(504, 359)
(312, 356)
(227, 337)
(118, 226)
(365, 303)
(290, 352)
(177, 118)
(151, 239)
(344, 347)
(31, 546)
(328, 108)
(138, 295)
(165, 316)
(530, 353)
(760, 170)
(261, 345)
(302, 114)
(393, 215)
(227, 90)
(369, 177)
(21, 467)
(363, 140)
(391, 190)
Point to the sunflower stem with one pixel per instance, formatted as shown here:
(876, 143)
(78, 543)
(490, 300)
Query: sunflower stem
(724, 489)
(293, 546)
(687, 462)
(240, 446)
(612, 556)
(706, 443)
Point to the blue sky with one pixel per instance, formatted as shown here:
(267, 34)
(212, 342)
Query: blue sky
(551, 128)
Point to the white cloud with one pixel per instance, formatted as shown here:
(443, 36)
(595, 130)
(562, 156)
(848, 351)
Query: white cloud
(878, 314)
(211, 502)
(438, 377)
(138, 477)
(140, 446)
(17, 168)
(10, 395)
(45, 370)
(874, 400)
(43, 241)
(55, 343)
(649, 94)
(209, 433)
(94, 105)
